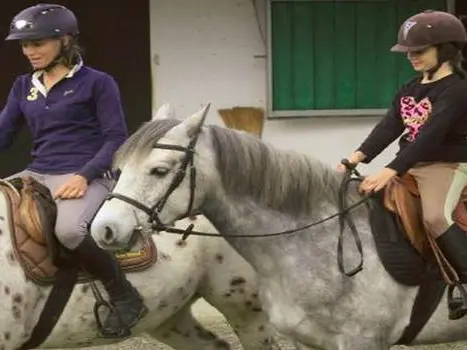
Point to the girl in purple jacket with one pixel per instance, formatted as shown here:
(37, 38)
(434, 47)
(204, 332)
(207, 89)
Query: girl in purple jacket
(75, 116)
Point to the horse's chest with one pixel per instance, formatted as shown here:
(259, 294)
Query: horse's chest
(282, 311)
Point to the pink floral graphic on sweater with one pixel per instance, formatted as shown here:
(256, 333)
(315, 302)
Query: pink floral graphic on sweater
(414, 114)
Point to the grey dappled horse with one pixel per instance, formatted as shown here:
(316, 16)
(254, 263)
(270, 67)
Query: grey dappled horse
(245, 186)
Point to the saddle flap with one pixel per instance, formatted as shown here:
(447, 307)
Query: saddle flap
(37, 210)
(401, 198)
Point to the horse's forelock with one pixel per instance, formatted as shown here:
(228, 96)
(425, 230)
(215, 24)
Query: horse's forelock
(141, 142)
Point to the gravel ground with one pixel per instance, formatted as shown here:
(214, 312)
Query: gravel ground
(215, 322)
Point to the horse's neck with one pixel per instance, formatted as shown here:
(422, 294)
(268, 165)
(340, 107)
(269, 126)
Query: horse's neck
(241, 217)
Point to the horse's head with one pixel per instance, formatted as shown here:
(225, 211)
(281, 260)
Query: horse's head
(159, 182)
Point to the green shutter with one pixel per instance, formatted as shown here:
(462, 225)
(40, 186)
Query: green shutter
(335, 54)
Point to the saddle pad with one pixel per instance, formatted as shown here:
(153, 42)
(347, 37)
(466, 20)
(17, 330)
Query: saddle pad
(33, 253)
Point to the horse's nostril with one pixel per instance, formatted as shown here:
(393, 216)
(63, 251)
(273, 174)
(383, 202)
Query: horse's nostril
(109, 234)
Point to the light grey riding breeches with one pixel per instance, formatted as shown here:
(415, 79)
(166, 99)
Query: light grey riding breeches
(73, 215)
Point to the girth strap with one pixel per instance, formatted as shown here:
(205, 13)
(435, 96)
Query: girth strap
(53, 308)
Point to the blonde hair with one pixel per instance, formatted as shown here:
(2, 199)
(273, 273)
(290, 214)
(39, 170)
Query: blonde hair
(71, 52)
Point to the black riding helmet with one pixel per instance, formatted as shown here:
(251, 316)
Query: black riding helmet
(44, 21)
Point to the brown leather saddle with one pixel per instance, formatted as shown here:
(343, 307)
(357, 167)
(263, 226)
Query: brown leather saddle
(30, 216)
(402, 197)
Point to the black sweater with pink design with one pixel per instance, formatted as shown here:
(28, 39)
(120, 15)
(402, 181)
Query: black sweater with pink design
(434, 116)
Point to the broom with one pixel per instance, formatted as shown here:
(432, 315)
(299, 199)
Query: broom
(249, 119)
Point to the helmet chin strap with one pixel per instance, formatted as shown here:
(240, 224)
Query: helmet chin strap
(57, 59)
(55, 62)
(431, 72)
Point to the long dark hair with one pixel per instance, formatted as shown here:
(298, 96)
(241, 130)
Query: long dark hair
(452, 53)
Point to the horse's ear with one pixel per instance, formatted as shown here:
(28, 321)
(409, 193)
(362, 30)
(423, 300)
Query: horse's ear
(196, 121)
(164, 112)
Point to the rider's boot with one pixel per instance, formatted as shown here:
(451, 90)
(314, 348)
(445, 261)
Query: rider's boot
(453, 244)
(128, 307)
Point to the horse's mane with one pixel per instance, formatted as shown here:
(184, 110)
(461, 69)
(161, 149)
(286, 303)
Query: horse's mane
(286, 181)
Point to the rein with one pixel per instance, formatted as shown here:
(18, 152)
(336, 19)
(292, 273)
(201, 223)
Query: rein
(342, 214)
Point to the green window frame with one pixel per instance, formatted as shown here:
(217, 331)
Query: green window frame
(331, 57)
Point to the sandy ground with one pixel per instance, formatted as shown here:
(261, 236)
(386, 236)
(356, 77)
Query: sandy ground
(215, 322)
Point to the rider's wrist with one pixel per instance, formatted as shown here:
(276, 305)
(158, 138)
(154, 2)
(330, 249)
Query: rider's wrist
(357, 157)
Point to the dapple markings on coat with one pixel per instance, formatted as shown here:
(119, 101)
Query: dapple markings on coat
(187, 272)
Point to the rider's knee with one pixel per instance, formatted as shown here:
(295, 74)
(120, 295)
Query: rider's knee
(436, 223)
(70, 232)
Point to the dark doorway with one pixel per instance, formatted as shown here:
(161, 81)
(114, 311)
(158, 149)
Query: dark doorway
(116, 38)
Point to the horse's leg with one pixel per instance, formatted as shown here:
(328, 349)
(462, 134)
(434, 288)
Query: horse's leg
(362, 344)
(183, 331)
(254, 332)
(251, 325)
(299, 346)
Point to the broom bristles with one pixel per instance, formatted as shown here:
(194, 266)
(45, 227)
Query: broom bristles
(249, 119)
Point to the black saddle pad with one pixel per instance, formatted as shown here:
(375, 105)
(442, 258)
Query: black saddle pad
(400, 259)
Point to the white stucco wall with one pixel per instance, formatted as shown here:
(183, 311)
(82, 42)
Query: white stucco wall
(212, 50)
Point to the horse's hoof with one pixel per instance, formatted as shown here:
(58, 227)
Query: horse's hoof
(457, 309)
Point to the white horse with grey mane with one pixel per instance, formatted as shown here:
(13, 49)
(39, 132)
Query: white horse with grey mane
(245, 186)
(183, 272)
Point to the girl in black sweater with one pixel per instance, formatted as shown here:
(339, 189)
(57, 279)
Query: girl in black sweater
(432, 110)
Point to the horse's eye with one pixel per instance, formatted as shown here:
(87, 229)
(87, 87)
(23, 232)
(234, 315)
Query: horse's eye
(159, 171)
